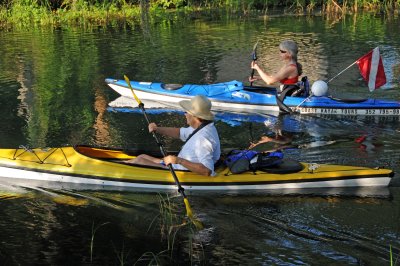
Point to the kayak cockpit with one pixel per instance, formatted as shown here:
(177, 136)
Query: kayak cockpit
(120, 156)
(116, 155)
(171, 86)
(104, 153)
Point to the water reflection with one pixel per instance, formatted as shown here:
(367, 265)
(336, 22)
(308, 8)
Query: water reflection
(391, 58)
(102, 134)
(269, 227)
(316, 224)
(55, 94)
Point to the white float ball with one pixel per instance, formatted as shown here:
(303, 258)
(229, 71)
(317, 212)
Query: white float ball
(319, 88)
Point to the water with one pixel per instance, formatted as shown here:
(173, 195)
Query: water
(52, 93)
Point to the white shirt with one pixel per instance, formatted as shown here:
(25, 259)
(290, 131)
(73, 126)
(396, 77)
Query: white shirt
(203, 147)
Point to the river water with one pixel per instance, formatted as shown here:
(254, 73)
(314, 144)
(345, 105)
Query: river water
(52, 93)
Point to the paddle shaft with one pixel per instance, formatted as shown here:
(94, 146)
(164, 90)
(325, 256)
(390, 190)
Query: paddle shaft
(254, 56)
(171, 168)
(252, 75)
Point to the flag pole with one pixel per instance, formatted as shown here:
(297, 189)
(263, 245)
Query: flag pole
(342, 71)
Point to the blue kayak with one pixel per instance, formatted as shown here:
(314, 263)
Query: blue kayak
(233, 96)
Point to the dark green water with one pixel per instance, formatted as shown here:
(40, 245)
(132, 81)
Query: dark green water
(52, 93)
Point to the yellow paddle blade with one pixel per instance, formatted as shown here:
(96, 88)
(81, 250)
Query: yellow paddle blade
(189, 213)
(133, 92)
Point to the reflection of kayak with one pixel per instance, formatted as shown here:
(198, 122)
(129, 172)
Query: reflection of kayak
(284, 122)
(235, 97)
(127, 105)
(84, 166)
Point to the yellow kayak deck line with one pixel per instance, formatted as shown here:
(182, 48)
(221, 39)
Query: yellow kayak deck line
(105, 166)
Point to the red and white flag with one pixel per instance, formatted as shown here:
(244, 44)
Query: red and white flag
(372, 70)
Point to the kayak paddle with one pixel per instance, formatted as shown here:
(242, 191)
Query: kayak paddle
(181, 190)
(254, 57)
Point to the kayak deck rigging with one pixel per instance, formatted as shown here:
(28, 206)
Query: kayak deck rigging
(48, 152)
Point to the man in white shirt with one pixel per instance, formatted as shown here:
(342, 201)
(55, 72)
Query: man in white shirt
(202, 146)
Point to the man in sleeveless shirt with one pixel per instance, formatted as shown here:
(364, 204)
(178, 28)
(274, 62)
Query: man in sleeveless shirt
(202, 145)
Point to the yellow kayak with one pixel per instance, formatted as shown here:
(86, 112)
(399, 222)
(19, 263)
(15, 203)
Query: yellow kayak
(84, 166)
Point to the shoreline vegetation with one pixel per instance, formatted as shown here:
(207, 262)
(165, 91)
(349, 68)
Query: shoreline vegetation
(82, 13)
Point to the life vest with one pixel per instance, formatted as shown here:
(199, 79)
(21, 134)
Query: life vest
(289, 81)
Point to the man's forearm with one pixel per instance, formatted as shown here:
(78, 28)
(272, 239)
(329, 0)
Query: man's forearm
(169, 131)
(194, 167)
